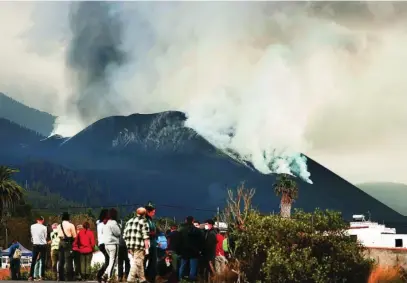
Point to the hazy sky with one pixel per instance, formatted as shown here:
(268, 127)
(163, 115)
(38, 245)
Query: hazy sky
(328, 80)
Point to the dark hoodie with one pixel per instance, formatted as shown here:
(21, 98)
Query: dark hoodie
(174, 241)
(191, 241)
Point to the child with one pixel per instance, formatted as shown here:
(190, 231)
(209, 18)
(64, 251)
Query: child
(37, 268)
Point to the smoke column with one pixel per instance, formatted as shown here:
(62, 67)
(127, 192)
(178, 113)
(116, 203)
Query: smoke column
(262, 81)
(93, 55)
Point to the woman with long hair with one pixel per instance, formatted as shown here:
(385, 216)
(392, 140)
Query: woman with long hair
(111, 237)
(84, 245)
(100, 223)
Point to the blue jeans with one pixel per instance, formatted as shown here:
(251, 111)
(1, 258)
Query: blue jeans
(193, 268)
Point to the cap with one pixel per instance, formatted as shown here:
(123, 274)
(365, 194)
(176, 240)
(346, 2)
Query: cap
(150, 206)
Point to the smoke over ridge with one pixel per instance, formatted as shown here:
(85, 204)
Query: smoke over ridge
(266, 79)
(94, 52)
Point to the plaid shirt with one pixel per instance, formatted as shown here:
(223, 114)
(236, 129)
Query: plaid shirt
(135, 232)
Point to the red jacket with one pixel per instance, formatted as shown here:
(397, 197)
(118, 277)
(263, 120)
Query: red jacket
(84, 242)
(219, 245)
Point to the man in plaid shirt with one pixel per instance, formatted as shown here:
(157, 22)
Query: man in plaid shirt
(136, 235)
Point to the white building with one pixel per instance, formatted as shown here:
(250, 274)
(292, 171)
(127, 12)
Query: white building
(373, 234)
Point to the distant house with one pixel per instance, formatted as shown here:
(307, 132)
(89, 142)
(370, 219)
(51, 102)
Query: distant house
(374, 235)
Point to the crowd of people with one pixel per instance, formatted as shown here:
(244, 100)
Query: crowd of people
(139, 250)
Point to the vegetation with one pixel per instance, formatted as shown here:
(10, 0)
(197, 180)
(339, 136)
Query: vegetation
(302, 247)
(287, 189)
(11, 192)
(308, 247)
(46, 178)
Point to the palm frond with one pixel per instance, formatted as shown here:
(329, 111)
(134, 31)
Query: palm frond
(10, 192)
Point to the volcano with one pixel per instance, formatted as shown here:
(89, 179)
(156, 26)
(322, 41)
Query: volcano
(141, 157)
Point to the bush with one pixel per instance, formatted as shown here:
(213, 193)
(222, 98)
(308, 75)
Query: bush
(309, 247)
(94, 271)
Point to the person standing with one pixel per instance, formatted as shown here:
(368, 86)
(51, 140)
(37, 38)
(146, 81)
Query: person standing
(100, 223)
(220, 259)
(54, 249)
(15, 260)
(37, 269)
(111, 234)
(76, 255)
(209, 251)
(174, 246)
(67, 235)
(191, 242)
(137, 238)
(84, 244)
(151, 259)
(123, 258)
(39, 240)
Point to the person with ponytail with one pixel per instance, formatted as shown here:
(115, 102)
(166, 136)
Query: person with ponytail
(111, 237)
(84, 245)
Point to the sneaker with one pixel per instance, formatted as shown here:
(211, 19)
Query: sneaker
(30, 279)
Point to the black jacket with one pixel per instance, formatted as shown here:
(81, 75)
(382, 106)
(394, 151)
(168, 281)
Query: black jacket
(209, 251)
(174, 242)
(191, 241)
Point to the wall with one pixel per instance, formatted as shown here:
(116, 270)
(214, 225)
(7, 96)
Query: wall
(388, 240)
(367, 237)
(388, 256)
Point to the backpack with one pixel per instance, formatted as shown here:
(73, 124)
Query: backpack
(17, 253)
(163, 241)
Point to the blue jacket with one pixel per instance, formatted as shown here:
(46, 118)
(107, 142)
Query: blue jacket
(13, 248)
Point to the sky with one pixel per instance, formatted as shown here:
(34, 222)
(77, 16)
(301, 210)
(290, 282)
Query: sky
(324, 79)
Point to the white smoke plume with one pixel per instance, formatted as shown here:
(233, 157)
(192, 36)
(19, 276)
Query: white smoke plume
(266, 80)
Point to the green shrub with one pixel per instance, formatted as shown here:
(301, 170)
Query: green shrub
(94, 271)
(307, 248)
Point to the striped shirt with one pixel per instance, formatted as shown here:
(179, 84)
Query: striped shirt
(135, 232)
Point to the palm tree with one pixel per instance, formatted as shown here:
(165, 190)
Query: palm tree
(10, 192)
(286, 188)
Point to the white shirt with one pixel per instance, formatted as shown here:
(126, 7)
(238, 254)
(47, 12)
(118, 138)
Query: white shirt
(39, 234)
(100, 226)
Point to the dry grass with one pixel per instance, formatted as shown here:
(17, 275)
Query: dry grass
(382, 274)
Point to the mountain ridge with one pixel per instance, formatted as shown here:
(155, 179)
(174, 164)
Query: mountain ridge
(390, 193)
(137, 173)
(36, 120)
